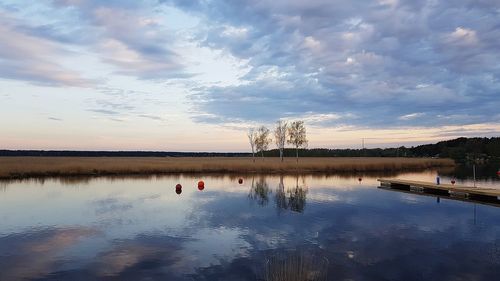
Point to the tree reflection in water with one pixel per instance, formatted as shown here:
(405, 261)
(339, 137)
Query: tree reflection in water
(260, 191)
(293, 199)
(281, 200)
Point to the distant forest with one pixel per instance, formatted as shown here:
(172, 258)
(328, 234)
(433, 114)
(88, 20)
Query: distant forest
(460, 149)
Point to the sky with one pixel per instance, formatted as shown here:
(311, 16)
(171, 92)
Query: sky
(186, 75)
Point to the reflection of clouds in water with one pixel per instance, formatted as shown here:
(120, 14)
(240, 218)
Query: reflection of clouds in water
(110, 205)
(323, 197)
(366, 234)
(139, 257)
(215, 245)
(410, 199)
(36, 253)
(379, 229)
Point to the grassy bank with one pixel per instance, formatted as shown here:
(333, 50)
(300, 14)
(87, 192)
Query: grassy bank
(23, 167)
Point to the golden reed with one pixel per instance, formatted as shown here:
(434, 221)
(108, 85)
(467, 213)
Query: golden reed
(22, 167)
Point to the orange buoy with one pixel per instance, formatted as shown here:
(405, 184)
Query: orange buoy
(178, 190)
(178, 186)
(452, 181)
(201, 185)
(240, 181)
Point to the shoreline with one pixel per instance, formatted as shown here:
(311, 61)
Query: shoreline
(47, 167)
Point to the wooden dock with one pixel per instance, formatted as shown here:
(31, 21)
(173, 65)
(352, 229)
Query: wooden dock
(491, 195)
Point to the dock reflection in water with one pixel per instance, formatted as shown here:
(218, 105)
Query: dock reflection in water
(334, 226)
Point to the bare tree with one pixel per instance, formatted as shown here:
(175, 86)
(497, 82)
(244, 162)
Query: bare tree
(252, 138)
(297, 136)
(263, 140)
(280, 133)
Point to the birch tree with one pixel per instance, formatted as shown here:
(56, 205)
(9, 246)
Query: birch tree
(297, 136)
(263, 140)
(252, 139)
(280, 133)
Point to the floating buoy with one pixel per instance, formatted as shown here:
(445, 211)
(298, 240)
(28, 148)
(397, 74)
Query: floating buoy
(178, 188)
(452, 181)
(201, 185)
(240, 181)
(360, 179)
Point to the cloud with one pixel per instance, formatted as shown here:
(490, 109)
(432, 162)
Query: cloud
(152, 117)
(131, 36)
(378, 61)
(411, 116)
(105, 111)
(34, 59)
(462, 37)
(348, 63)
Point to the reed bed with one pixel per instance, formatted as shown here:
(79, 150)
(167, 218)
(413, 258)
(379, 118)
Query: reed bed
(23, 167)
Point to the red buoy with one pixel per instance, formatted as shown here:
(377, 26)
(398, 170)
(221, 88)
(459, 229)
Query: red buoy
(240, 181)
(452, 181)
(201, 185)
(178, 188)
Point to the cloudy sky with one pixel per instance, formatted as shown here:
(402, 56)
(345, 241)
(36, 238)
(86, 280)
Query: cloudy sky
(195, 75)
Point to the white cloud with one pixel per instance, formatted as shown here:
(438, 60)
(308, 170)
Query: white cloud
(462, 36)
(238, 32)
(411, 116)
(311, 43)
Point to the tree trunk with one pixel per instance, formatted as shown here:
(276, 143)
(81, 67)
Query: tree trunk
(297, 150)
(262, 153)
(253, 156)
(281, 155)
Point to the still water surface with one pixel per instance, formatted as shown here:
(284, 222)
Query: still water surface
(334, 227)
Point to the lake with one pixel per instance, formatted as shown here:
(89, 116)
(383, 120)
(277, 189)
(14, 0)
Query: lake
(312, 227)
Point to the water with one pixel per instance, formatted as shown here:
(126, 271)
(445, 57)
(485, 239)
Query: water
(315, 226)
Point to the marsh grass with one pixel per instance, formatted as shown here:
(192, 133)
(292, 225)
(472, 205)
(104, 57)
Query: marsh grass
(23, 167)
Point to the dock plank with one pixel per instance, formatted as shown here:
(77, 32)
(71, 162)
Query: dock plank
(446, 187)
(487, 203)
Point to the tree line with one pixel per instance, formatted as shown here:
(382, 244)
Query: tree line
(284, 133)
(460, 149)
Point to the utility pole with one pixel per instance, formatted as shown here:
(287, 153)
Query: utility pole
(474, 173)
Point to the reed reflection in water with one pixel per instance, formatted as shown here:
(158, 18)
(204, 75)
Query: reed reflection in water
(296, 265)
